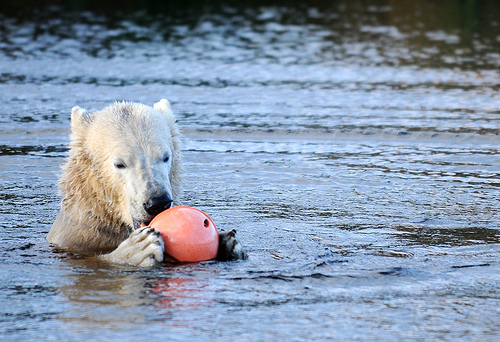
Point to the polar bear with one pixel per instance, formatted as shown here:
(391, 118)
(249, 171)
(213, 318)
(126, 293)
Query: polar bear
(124, 167)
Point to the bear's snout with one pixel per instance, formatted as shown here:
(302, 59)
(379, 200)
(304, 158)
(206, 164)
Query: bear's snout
(157, 204)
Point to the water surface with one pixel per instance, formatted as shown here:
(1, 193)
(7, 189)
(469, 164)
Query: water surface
(353, 145)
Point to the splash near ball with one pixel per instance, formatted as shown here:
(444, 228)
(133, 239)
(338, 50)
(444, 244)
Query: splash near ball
(188, 233)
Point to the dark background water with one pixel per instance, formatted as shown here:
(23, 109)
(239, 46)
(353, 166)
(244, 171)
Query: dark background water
(352, 144)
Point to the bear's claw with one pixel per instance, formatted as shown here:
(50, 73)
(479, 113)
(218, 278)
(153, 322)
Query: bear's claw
(229, 247)
(144, 248)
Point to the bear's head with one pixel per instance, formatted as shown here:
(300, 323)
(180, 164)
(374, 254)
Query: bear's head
(124, 164)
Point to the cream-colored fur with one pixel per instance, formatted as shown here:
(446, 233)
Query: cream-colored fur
(120, 157)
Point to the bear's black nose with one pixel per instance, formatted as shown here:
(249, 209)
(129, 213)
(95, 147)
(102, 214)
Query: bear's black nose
(157, 204)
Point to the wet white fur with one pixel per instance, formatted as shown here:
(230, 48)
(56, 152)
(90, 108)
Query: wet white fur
(103, 203)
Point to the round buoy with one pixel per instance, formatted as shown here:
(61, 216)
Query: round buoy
(188, 233)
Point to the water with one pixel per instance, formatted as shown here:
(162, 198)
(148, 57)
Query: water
(353, 145)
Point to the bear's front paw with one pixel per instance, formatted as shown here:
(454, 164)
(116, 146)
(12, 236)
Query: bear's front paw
(229, 247)
(144, 248)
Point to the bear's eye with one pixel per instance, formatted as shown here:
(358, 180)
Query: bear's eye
(166, 159)
(120, 165)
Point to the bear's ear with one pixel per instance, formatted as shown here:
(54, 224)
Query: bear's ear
(163, 106)
(79, 118)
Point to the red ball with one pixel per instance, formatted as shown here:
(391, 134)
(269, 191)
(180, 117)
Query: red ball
(188, 233)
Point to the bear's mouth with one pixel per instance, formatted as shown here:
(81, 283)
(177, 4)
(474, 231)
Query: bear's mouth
(147, 222)
(158, 205)
(142, 223)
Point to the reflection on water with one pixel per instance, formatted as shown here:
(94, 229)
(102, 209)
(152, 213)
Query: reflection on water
(113, 297)
(352, 144)
(105, 298)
